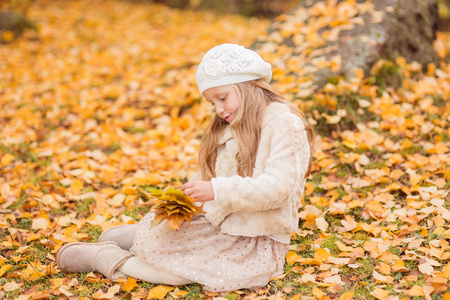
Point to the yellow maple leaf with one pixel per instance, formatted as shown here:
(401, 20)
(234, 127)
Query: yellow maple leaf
(34, 271)
(173, 205)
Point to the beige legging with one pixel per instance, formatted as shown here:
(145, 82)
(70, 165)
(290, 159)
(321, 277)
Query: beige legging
(139, 269)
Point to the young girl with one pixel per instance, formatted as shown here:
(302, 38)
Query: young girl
(254, 158)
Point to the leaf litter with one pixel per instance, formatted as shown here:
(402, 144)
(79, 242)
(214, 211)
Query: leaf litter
(97, 107)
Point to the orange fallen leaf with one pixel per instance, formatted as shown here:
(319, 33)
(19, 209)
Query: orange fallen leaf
(130, 284)
(6, 159)
(384, 268)
(57, 282)
(309, 188)
(399, 266)
(5, 269)
(292, 258)
(343, 247)
(159, 292)
(296, 297)
(415, 291)
(380, 293)
(321, 255)
(347, 296)
(76, 185)
(318, 293)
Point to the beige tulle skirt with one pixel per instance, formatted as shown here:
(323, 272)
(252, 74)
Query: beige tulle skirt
(203, 254)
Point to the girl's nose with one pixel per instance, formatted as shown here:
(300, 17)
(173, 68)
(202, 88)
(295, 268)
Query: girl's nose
(219, 109)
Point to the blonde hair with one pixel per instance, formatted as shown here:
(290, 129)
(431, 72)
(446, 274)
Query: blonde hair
(256, 95)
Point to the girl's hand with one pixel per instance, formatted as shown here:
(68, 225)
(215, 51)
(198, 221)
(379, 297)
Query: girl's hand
(200, 190)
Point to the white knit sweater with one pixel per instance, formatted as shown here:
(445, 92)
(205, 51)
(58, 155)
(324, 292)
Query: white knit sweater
(267, 203)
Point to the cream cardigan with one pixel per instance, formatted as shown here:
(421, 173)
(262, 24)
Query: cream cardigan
(267, 203)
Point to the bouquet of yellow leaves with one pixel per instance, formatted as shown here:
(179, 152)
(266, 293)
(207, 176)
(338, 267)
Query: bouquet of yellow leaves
(172, 205)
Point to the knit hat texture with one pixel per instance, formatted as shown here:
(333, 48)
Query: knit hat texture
(231, 63)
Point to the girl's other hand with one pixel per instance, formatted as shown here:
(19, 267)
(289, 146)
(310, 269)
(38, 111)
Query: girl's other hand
(200, 190)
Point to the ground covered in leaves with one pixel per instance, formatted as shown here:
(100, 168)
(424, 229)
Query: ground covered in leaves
(102, 101)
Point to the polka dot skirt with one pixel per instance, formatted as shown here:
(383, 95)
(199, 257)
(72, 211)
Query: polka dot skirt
(203, 254)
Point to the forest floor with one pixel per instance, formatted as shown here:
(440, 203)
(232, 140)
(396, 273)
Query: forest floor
(102, 100)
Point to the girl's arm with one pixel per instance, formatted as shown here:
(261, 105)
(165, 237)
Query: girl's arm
(284, 171)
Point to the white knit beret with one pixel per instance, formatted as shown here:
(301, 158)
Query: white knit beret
(231, 63)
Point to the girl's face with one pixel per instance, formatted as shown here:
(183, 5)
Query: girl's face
(225, 99)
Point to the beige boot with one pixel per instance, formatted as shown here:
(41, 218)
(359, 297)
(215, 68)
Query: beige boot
(105, 258)
(122, 235)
